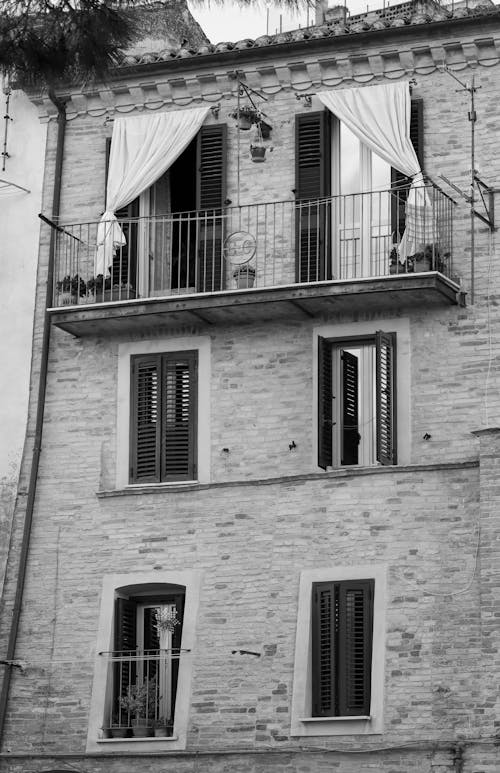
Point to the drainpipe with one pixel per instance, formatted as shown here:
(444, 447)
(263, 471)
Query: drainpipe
(37, 445)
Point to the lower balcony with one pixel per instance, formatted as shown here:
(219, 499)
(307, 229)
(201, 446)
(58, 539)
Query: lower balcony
(142, 691)
(360, 251)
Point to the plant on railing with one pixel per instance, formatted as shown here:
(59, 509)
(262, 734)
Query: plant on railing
(73, 286)
(140, 702)
(166, 619)
(103, 290)
(163, 727)
(244, 276)
(430, 259)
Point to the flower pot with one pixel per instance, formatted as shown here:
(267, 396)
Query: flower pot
(161, 732)
(423, 265)
(244, 122)
(119, 732)
(258, 153)
(66, 298)
(244, 278)
(141, 728)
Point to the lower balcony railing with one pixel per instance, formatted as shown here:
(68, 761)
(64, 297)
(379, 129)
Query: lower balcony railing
(141, 688)
(345, 237)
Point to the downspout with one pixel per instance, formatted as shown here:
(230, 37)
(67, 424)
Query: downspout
(37, 444)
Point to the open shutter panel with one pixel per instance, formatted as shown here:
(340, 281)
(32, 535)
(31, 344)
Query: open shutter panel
(145, 420)
(179, 377)
(399, 182)
(386, 397)
(350, 388)
(325, 408)
(211, 195)
(124, 672)
(312, 182)
(355, 647)
(324, 623)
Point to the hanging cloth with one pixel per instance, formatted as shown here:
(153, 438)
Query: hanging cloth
(379, 116)
(142, 149)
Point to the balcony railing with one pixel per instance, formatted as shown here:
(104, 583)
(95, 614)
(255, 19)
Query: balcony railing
(142, 688)
(346, 237)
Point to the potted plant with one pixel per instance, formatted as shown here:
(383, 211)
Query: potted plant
(244, 276)
(246, 116)
(70, 289)
(118, 730)
(162, 728)
(140, 702)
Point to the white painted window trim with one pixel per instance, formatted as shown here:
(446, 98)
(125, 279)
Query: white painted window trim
(191, 580)
(302, 721)
(400, 326)
(128, 350)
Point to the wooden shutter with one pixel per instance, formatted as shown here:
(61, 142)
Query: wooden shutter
(124, 265)
(312, 182)
(145, 425)
(386, 397)
(179, 391)
(124, 672)
(324, 637)
(355, 614)
(350, 399)
(342, 633)
(210, 198)
(325, 408)
(399, 182)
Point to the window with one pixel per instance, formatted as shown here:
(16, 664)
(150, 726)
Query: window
(135, 655)
(145, 657)
(357, 400)
(339, 651)
(163, 417)
(342, 628)
(350, 203)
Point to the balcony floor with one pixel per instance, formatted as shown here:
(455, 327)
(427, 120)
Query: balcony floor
(281, 303)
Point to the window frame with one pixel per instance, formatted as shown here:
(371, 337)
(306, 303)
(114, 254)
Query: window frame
(359, 331)
(303, 723)
(191, 581)
(126, 351)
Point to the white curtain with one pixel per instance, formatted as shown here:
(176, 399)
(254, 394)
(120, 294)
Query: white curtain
(380, 117)
(142, 149)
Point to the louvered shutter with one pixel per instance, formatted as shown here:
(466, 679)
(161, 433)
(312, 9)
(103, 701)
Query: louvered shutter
(124, 671)
(179, 390)
(145, 421)
(355, 613)
(399, 182)
(312, 182)
(324, 635)
(178, 600)
(350, 398)
(386, 397)
(210, 198)
(325, 409)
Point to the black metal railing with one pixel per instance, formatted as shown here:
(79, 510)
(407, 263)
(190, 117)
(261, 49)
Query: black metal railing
(352, 236)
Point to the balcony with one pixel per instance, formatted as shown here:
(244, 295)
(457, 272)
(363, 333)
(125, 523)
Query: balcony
(142, 688)
(276, 260)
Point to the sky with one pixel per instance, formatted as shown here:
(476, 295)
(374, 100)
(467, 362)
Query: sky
(231, 22)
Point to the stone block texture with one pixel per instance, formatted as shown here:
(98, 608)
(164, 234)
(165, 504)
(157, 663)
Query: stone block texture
(269, 512)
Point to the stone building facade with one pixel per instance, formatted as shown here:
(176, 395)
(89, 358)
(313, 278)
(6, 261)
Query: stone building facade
(269, 495)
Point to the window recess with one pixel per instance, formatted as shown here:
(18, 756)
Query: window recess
(342, 633)
(163, 417)
(357, 400)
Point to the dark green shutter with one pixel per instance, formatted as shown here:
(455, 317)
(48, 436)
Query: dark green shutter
(325, 408)
(124, 265)
(350, 399)
(342, 633)
(312, 182)
(124, 672)
(324, 636)
(355, 647)
(399, 182)
(145, 423)
(210, 198)
(179, 391)
(386, 397)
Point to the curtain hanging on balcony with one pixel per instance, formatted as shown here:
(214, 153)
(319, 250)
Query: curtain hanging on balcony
(379, 116)
(142, 149)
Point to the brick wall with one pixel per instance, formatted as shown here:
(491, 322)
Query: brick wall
(269, 513)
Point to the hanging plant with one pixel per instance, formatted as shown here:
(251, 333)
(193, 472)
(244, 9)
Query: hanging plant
(246, 116)
(166, 619)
